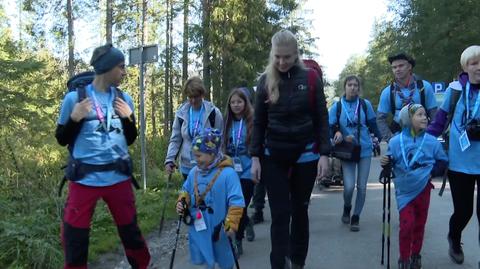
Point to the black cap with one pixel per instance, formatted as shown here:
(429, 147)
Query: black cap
(401, 56)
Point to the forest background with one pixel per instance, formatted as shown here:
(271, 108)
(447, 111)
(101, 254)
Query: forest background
(224, 41)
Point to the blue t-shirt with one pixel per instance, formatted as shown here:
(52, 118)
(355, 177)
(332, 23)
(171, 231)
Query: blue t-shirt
(420, 152)
(93, 145)
(406, 95)
(349, 121)
(237, 148)
(225, 193)
(458, 158)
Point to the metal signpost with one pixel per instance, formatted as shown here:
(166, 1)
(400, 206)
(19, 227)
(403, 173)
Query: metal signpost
(140, 56)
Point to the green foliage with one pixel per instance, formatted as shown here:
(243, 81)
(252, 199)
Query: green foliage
(32, 85)
(434, 32)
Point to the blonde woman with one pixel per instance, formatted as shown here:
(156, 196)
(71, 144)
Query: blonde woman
(289, 147)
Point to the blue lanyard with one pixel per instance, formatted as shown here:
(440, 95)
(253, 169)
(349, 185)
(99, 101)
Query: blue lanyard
(193, 128)
(236, 141)
(347, 112)
(475, 107)
(98, 109)
(402, 146)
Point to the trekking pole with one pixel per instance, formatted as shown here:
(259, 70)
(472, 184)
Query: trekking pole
(165, 201)
(177, 233)
(384, 178)
(233, 252)
(388, 225)
(383, 217)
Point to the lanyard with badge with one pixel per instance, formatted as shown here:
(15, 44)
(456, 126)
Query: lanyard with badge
(193, 129)
(105, 120)
(237, 163)
(351, 122)
(463, 139)
(199, 222)
(415, 156)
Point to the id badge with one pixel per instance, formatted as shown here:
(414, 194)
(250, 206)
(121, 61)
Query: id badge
(237, 164)
(464, 141)
(199, 222)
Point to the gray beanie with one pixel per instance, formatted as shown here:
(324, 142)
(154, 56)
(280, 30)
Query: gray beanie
(407, 113)
(105, 58)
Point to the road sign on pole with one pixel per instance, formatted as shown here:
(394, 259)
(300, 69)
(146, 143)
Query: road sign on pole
(141, 55)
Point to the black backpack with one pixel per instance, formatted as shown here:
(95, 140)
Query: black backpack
(80, 81)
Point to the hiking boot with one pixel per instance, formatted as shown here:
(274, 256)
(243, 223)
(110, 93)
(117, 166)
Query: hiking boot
(237, 245)
(403, 264)
(416, 261)
(250, 233)
(455, 250)
(346, 214)
(354, 226)
(257, 217)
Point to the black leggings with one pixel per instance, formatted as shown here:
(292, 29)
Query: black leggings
(247, 190)
(289, 187)
(462, 187)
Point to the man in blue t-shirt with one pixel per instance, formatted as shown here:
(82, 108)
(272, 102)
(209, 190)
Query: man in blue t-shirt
(405, 89)
(97, 123)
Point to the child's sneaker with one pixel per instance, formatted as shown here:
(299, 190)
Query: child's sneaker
(250, 233)
(416, 261)
(403, 264)
(237, 245)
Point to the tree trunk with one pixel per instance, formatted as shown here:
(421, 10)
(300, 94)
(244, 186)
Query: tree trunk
(206, 46)
(71, 64)
(185, 45)
(171, 72)
(166, 98)
(109, 22)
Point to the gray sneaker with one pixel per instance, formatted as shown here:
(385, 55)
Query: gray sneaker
(416, 261)
(250, 233)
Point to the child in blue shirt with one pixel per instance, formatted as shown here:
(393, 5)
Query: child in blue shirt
(213, 196)
(415, 157)
(238, 132)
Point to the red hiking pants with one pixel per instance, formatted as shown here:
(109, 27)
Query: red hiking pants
(78, 213)
(412, 224)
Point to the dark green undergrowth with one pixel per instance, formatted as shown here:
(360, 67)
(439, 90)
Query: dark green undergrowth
(31, 211)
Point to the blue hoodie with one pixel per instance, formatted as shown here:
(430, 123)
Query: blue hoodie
(411, 180)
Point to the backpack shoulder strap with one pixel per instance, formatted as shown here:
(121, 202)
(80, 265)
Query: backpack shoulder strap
(82, 93)
(455, 95)
(339, 111)
(422, 93)
(392, 99)
(312, 93)
(364, 105)
(211, 118)
(119, 93)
